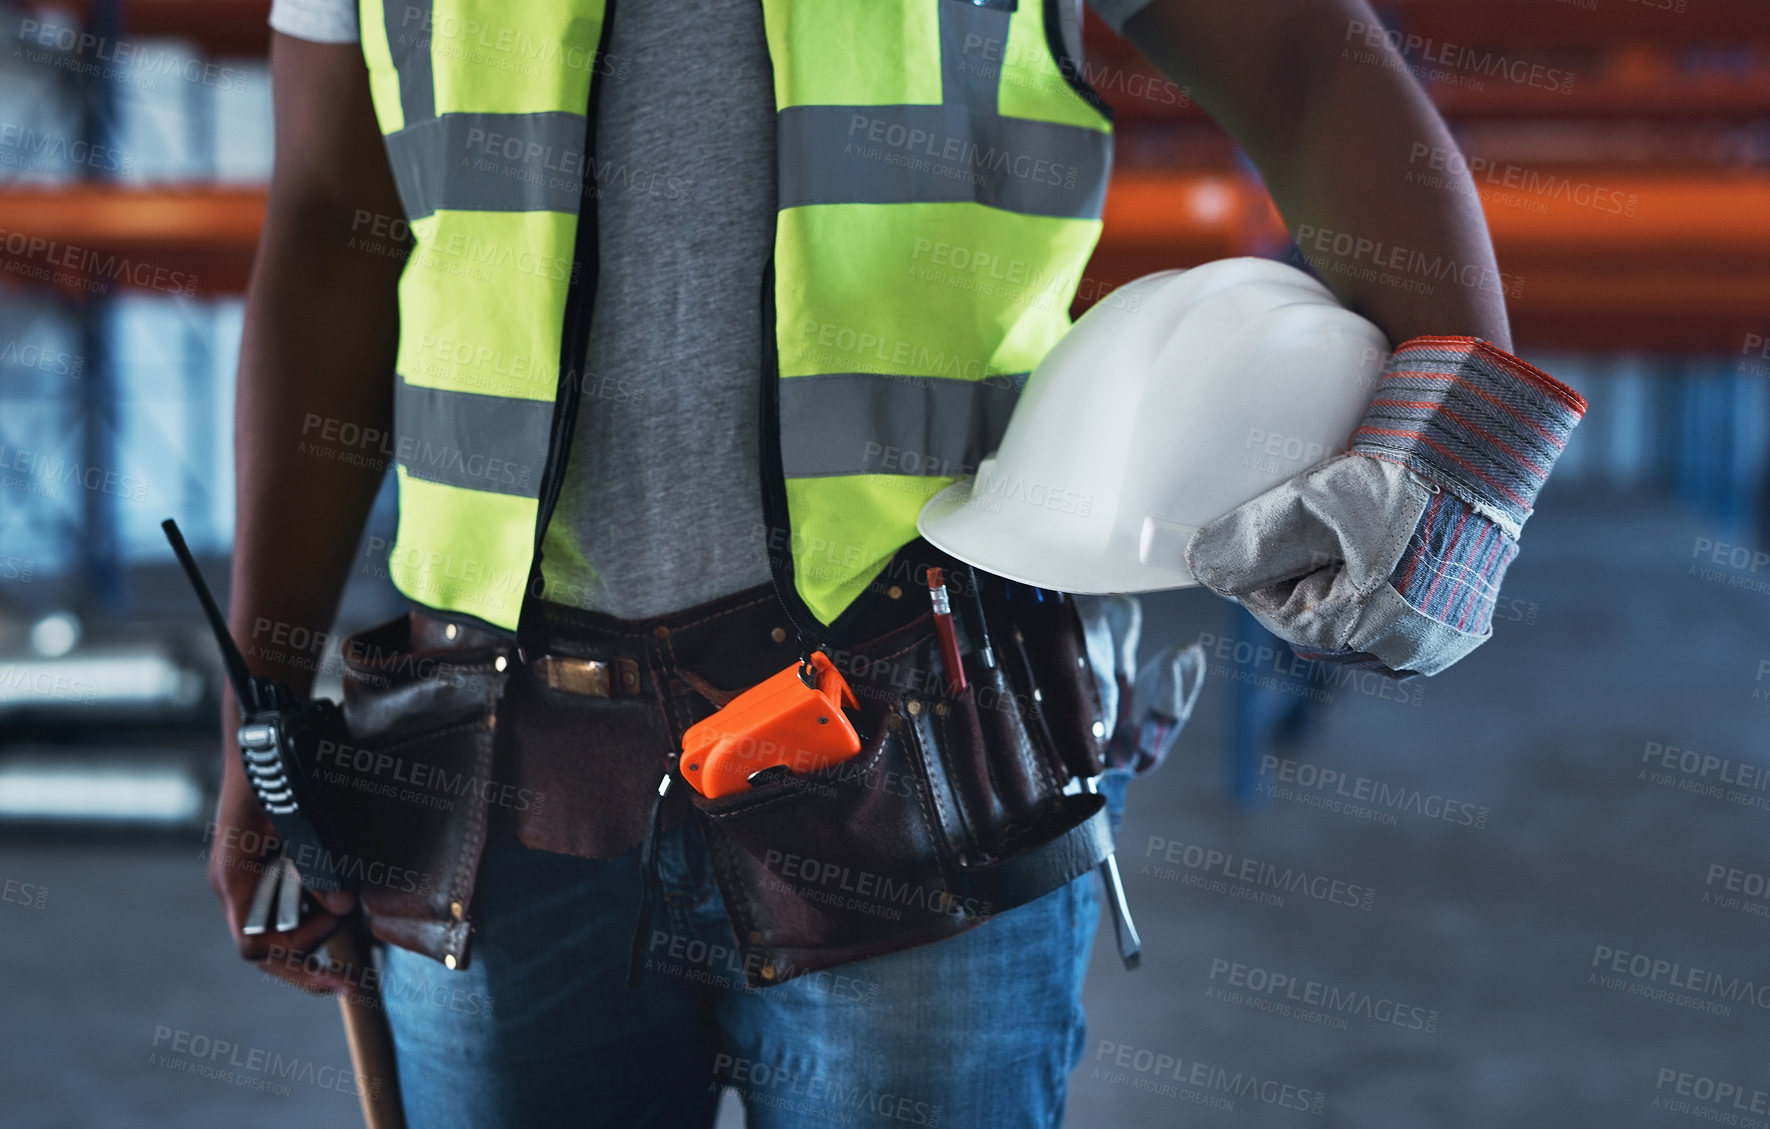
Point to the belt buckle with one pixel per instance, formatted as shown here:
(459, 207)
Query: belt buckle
(595, 678)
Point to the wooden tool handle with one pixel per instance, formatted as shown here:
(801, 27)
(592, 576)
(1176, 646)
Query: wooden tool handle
(366, 1027)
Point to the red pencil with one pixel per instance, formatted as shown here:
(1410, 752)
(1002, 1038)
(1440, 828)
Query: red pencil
(943, 627)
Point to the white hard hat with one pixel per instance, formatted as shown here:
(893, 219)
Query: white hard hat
(1175, 399)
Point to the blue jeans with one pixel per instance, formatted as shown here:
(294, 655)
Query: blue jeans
(980, 1029)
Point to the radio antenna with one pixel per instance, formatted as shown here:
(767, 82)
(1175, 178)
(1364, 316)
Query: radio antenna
(245, 687)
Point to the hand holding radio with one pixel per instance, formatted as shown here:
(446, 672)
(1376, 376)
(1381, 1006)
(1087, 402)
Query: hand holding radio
(268, 850)
(237, 867)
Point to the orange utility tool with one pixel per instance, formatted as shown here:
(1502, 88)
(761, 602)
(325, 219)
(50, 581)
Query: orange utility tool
(792, 720)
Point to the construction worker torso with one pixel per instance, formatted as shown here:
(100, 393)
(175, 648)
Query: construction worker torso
(937, 172)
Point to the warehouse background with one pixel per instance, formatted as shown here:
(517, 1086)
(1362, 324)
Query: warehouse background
(1561, 911)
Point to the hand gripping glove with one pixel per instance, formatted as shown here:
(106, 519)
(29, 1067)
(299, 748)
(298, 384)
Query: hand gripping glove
(1390, 557)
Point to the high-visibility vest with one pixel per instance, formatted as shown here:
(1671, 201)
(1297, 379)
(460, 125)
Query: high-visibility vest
(942, 167)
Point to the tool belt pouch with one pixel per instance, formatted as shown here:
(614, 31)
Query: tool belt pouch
(953, 810)
(409, 794)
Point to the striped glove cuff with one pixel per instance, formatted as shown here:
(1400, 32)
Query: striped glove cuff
(1472, 417)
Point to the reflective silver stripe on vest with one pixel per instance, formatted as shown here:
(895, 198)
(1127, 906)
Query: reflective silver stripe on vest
(490, 163)
(870, 423)
(463, 439)
(961, 151)
(940, 154)
(408, 41)
(973, 43)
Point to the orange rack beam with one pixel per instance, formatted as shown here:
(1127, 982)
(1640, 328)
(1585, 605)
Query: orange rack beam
(1688, 269)
(94, 239)
(1684, 264)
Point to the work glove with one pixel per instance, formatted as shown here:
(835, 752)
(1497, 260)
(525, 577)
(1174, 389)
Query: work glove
(1390, 556)
(1146, 707)
(1112, 626)
(1166, 689)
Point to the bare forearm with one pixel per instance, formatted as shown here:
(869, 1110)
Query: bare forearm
(1421, 260)
(1335, 127)
(315, 363)
(317, 358)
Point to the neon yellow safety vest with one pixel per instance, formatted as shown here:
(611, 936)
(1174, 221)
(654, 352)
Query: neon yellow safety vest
(942, 168)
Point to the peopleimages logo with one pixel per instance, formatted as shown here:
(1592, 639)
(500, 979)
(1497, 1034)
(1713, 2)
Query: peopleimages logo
(55, 362)
(820, 1098)
(1669, 981)
(483, 43)
(1376, 793)
(1219, 871)
(88, 267)
(20, 679)
(1270, 985)
(382, 773)
(1737, 889)
(248, 844)
(1738, 1098)
(1705, 774)
(40, 474)
(252, 1067)
(845, 887)
(83, 52)
(27, 894)
(1151, 1066)
(1543, 186)
(999, 488)
(1342, 252)
(954, 151)
(32, 150)
(1453, 57)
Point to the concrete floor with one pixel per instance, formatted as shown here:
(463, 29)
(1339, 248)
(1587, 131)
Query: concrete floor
(1505, 828)
(1495, 928)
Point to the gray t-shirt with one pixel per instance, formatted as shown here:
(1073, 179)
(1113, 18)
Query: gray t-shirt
(662, 503)
(661, 507)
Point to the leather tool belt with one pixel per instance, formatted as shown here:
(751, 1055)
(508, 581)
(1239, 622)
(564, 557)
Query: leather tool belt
(956, 808)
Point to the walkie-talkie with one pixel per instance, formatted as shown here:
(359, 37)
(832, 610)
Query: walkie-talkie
(275, 729)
